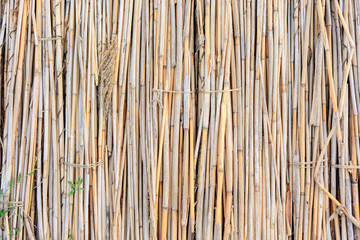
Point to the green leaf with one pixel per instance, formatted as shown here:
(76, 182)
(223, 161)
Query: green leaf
(71, 184)
(80, 189)
(11, 233)
(17, 230)
(31, 173)
(79, 181)
(1, 193)
(11, 183)
(19, 178)
(71, 193)
(2, 213)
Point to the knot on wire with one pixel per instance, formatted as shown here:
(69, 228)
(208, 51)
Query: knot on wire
(158, 102)
(85, 166)
(12, 204)
(50, 38)
(195, 90)
(344, 166)
(309, 164)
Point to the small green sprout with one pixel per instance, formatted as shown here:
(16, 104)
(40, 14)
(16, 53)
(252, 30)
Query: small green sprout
(75, 186)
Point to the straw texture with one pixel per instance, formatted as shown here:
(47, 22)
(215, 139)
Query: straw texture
(179, 119)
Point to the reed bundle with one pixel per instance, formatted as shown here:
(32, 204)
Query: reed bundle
(179, 119)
